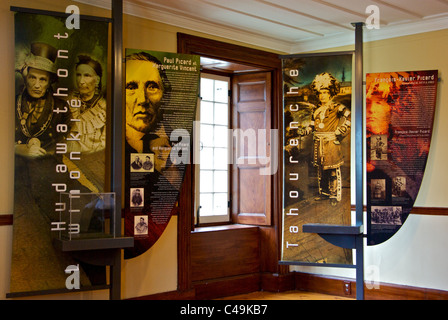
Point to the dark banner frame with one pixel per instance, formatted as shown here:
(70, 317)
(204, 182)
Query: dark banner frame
(105, 186)
(328, 55)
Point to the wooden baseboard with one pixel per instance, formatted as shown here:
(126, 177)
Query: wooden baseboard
(225, 287)
(274, 282)
(229, 286)
(6, 219)
(430, 211)
(384, 291)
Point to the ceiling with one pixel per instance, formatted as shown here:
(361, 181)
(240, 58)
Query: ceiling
(291, 26)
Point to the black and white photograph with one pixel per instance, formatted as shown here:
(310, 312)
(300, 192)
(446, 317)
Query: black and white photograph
(398, 187)
(378, 189)
(137, 197)
(378, 147)
(141, 225)
(389, 215)
(142, 162)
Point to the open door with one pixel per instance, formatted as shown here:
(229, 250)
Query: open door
(251, 117)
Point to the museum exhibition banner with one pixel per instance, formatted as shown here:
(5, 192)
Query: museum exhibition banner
(161, 97)
(60, 143)
(400, 109)
(317, 94)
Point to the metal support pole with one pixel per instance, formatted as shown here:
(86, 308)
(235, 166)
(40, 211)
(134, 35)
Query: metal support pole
(359, 158)
(117, 138)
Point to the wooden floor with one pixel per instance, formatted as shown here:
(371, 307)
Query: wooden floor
(287, 295)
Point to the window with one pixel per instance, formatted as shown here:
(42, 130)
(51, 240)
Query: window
(212, 171)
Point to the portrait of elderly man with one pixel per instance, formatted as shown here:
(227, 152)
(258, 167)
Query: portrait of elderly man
(36, 123)
(147, 88)
(37, 132)
(330, 124)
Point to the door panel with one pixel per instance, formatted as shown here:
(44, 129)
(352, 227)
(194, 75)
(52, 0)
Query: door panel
(251, 118)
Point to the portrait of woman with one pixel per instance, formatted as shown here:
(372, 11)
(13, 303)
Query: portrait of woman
(88, 105)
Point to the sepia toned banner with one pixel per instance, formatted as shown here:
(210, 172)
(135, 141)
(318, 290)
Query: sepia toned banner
(161, 96)
(317, 94)
(60, 143)
(400, 108)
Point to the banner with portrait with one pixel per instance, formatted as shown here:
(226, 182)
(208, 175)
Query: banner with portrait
(161, 97)
(60, 142)
(400, 108)
(317, 94)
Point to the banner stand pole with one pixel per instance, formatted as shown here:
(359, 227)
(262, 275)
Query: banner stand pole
(359, 158)
(117, 125)
(352, 237)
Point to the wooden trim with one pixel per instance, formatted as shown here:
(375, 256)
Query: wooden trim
(386, 291)
(275, 282)
(225, 51)
(184, 225)
(434, 211)
(6, 219)
(225, 287)
(268, 61)
(228, 286)
(429, 211)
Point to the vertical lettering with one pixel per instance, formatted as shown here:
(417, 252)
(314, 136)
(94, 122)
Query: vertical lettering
(58, 226)
(293, 212)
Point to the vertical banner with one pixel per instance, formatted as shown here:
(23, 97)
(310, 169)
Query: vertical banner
(400, 109)
(161, 97)
(316, 179)
(60, 143)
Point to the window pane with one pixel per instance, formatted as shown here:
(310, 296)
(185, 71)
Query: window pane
(220, 181)
(207, 89)
(220, 204)
(206, 204)
(206, 158)
(206, 112)
(213, 152)
(206, 135)
(221, 114)
(221, 91)
(220, 158)
(221, 136)
(206, 181)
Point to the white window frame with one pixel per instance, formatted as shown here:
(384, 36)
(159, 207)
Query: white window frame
(210, 219)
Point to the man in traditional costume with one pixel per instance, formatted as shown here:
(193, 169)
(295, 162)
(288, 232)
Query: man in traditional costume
(36, 122)
(330, 123)
(42, 121)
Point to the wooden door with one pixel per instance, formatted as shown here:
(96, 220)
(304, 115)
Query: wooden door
(251, 123)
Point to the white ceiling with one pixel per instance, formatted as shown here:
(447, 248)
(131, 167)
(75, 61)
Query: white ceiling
(291, 26)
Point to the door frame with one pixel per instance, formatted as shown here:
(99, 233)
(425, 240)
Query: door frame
(204, 47)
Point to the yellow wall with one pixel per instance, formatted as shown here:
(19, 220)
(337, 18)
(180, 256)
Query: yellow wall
(156, 270)
(415, 256)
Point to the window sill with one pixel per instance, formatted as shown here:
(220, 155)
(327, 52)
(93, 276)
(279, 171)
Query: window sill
(222, 228)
